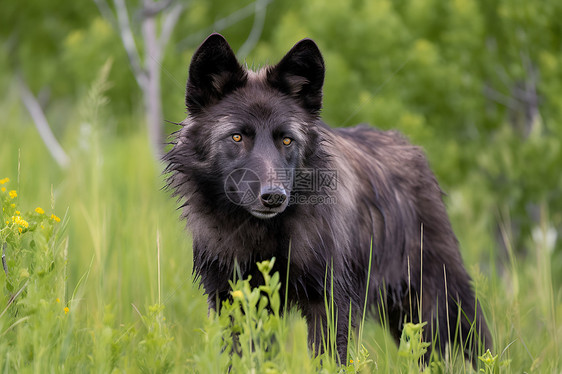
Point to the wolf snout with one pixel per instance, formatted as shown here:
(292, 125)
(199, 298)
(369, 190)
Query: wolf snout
(273, 197)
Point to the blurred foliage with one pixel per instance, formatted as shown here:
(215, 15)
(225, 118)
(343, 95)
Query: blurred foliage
(475, 82)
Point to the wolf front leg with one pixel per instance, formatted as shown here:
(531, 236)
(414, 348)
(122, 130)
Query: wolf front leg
(327, 328)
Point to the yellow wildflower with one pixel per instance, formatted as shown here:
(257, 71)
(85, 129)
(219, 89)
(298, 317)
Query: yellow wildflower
(18, 213)
(20, 221)
(58, 300)
(55, 218)
(5, 180)
(3, 189)
(237, 294)
(39, 210)
(12, 205)
(66, 310)
(13, 194)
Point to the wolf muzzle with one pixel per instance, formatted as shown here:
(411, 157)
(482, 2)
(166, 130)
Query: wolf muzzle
(272, 196)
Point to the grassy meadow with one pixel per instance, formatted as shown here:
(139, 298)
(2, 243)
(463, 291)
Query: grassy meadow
(99, 278)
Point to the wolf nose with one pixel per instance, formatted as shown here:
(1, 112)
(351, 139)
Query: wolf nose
(273, 197)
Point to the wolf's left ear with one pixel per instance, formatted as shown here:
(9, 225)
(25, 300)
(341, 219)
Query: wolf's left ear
(300, 74)
(214, 72)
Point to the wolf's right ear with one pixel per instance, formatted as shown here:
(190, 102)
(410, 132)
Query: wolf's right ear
(300, 74)
(213, 73)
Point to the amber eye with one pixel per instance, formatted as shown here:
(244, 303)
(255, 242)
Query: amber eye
(237, 138)
(287, 141)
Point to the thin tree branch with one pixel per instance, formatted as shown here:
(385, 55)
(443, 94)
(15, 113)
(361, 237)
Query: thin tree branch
(13, 297)
(499, 98)
(257, 28)
(170, 21)
(152, 9)
(4, 264)
(42, 124)
(128, 40)
(106, 13)
(222, 23)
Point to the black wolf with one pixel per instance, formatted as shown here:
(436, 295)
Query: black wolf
(262, 175)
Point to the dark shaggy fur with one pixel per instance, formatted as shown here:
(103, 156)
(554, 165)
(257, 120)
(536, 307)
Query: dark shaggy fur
(384, 197)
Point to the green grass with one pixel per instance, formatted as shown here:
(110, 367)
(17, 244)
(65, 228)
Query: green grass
(120, 261)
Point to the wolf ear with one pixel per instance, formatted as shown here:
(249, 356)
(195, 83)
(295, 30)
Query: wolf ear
(214, 72)
(300, 74)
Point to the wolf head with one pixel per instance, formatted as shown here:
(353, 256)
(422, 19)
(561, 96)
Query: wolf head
(247, 131)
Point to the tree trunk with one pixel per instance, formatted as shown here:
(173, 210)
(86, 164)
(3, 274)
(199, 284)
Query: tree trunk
(151, 92)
